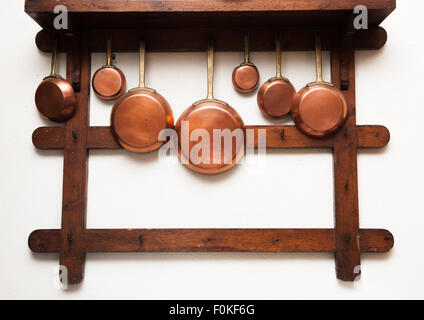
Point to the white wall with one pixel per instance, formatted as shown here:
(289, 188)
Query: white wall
(295, 190)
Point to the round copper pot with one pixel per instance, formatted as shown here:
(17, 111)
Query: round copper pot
(275, 97)
(139, 116)
(55, 98)
(319, 109)
(245, 77)
(208, 115)
(109, 82)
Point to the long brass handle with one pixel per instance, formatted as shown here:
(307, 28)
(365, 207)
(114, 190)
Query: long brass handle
(278, 56)
(54, 59)
(246, 48)
(318, 56)
(109, 50)
(210, 70)
(142, 50)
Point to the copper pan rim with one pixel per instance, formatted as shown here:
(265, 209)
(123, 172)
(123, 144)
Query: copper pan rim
(118, 93)
(300, 122)
(64, 109)
(165, 109)
(210, 169)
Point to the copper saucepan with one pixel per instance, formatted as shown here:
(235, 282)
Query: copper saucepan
(209, 115)
(319, 109)
(55, 98)
(275, 97)
(140, 115)
(109, 82)
(246, 76)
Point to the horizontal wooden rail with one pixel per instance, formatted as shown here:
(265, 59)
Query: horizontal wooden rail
(210, 240)
(212, 12)
(277, 137)
(195, 40)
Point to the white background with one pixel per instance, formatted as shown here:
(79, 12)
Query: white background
(294, 190)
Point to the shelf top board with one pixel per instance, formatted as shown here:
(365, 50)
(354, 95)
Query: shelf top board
(213, 13)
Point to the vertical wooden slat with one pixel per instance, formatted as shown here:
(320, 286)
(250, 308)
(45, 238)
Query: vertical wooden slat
(345, 174)
(72, 254)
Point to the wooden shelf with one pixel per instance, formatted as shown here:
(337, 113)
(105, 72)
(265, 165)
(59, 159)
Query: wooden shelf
(177, 25)
(212, 13)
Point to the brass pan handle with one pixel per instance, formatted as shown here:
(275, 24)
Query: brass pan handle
(210, 70)
(109, 50)
(278, 56)
(54, 59)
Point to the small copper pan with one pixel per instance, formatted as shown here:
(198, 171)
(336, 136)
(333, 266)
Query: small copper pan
(206, 116)
(246, 75)
(320, 109)
(55, 98)
(109, 82)
(275, 97)
(140, 115)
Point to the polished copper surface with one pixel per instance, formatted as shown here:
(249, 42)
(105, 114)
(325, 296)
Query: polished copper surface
(55, 98)
(137, 119)
(211, 115)
(138, 116)
(208, 115)
(319, 110)
(245, 78)
(275, 97)
(109, 83)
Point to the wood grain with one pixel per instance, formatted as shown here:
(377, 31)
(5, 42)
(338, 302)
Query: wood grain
(370, 136)
(162, 39)
(143, 13)
(211, 240)
(74, 202)
(180, 26)
(346, 177)
(202, 6)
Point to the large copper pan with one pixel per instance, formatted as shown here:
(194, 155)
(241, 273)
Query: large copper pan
(207, 116)
(109, 82)
(55, 98)
(319, 109)
(245, 76)
(140, 115)
(275, 97)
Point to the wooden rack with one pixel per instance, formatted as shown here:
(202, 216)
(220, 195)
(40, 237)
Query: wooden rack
(176, 25)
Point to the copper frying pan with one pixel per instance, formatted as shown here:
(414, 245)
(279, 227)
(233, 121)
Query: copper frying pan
(55, 98)
(246, 76)
(208, 115)
(139, 116)
(275, 97)
(109, 82)
(319, 109)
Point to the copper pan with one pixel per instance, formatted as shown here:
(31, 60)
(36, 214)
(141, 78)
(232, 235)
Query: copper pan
(275, 97)
(140, 115)
(246, 76)
(208, 115)
(319, 109)
(109, 82)
(55, 98)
